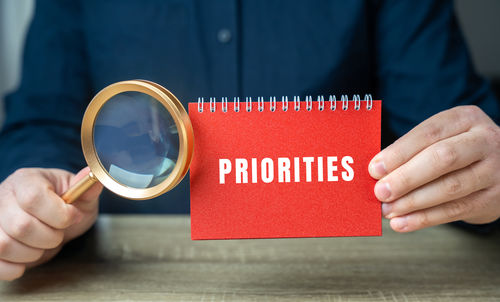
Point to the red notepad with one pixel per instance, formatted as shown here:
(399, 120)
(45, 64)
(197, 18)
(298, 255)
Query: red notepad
(278, 174)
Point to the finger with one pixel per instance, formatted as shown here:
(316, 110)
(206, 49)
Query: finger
(43, 203)
(13, 251)
(65, 180)
(457, 209)
(29, 230)
(39, 198)
(436, 128)
(59, 181)
(47, 255)
(54, 179)
(10, 271)
(441, 158)
(449, 187)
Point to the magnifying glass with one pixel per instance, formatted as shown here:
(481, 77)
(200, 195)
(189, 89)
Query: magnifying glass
(137, 140)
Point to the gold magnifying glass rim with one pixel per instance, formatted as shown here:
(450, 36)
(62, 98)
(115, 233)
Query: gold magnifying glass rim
(182, 122)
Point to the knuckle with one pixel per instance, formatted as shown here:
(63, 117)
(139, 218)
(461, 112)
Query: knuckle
(409, 203)
(29, 198)
(403, 178)
(454, 210)
(423, 220)
(484, 176)
(467, 116)
(452, 185)
(471, 112)
(21, 226)
(4, 245)
(492, 134)
(432, 133)
(395, 155)
(22, 172)
(6, 190)
(482, 205)
(444, 155)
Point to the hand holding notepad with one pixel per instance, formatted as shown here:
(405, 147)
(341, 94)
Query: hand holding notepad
(266, 172)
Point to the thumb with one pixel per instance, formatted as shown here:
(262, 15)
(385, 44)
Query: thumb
(91, 196)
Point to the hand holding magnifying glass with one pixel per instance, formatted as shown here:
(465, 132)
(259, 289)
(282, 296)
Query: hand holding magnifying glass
(137, 140)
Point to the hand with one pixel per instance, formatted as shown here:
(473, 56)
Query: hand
(35, 222)
(445, 169)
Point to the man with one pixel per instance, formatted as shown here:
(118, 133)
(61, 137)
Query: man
(410, 54)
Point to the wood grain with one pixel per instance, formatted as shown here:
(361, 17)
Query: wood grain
(151, 258)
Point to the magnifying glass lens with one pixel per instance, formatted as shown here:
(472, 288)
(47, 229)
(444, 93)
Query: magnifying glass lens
(136, 139)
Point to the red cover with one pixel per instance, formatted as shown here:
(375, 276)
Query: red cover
(331, 196)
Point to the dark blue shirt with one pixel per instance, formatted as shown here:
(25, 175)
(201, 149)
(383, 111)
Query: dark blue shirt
(411, 54)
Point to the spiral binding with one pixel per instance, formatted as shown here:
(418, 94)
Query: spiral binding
(320, 100)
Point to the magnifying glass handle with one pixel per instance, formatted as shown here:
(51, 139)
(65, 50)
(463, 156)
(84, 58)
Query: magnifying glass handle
(79, 188)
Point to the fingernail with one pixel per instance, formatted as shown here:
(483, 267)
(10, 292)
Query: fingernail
(377, 169)
(382, 191)
(399, 223)
(386, 209)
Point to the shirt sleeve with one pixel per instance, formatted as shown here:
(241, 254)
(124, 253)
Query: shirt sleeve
(423, 67)
(43, 117)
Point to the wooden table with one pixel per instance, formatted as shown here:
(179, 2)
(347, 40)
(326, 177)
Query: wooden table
(151, 258)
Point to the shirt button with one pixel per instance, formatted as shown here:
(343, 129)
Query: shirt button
(224, 35)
